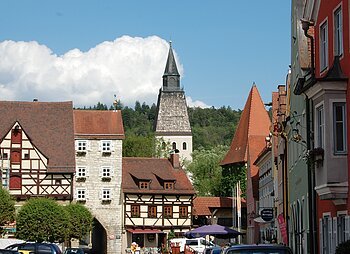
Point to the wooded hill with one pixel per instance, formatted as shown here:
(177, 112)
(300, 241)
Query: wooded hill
(210, 126)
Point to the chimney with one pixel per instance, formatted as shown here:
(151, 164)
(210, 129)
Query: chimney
(175, 160)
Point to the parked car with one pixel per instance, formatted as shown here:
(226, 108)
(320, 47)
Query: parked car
(4, 251)
(196, 244)
(35, 248)
(258, 249)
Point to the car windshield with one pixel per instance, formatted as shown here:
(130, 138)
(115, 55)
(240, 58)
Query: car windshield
(74, 251)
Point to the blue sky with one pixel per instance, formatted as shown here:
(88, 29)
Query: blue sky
(66, 50)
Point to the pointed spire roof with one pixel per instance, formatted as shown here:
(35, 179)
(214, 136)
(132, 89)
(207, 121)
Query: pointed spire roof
(253, 126)
(170, 68)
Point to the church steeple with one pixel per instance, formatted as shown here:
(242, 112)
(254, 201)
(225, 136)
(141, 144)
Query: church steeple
(171, 77)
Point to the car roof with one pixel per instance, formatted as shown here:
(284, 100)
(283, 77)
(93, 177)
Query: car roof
(258, 246)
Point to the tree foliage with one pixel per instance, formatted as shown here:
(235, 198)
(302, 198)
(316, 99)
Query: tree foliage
(42, 219)
(80, 221)
(7, 207)
(206, 172)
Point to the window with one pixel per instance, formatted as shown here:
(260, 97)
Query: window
(152, 211)
(106, 172)
(81, 172)
(163, 145)
(135, 211)
(184, 146)
(326, 234)
(26, 156)
(81, 145)
(183, 212)
(106, 146)
(5, 156)
(106, 194)
(339, 125)
(168, 211)
(144, 185)
(338, 32)
(81, 194)
(341, 228)
(168, 185)
(320, 126)
(174, 145)
(323, 46)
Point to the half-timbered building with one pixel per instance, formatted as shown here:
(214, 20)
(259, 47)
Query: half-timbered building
(37, 149)
(98, 148)
(157, 200)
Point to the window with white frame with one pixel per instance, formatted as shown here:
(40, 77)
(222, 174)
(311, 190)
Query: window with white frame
(326, 228)
(341, 228)
(106, 194)
(81, 145)
(320, 126)
(81, 172)
(106, 146)
(324, 46)
(106, 172)
(339, 126)
(81, 194)
(338, 32)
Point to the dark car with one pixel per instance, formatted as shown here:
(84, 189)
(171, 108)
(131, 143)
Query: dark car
(76, 251)
(4, 251)
(258, 249)
(35, 248)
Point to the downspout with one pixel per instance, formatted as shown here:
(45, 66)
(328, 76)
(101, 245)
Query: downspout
(311, 175)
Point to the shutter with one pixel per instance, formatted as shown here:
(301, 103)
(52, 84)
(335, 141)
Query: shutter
(100, 172)
(112, 171)
(347, 227)
(87, 171)
(75, 194)
(76, 145)
(335, 236)
(88, 145)
(86, 194)
(321, 235)
(100, 146)
(112, 146)
(330, 230)
(101, 191)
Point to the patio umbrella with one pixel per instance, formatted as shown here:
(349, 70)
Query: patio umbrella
(213, 230)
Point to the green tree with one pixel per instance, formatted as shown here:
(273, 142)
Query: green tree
(80, 220)
(42, 219)
(7, 208)
(138, 146)
(206, 171)
(230, 176)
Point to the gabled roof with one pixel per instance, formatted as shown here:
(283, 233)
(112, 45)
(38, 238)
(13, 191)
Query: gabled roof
(98, 124)
(49, 126)
(254, 121)
(156, 170)
(202, 205)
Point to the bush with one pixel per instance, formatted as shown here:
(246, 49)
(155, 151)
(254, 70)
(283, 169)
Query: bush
(42, 219)
(343, 248)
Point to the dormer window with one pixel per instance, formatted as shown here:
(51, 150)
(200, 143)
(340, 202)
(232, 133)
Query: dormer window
(168, 185)
(144, 185)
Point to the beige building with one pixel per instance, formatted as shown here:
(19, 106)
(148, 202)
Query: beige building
(97, 185)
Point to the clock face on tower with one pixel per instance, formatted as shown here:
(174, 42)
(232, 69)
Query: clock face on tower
(172, 82)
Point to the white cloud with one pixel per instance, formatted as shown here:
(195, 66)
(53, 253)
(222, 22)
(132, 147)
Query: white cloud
(194, 104)
(130, 67)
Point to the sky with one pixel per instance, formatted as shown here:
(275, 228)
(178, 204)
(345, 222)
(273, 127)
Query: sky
(88, 51)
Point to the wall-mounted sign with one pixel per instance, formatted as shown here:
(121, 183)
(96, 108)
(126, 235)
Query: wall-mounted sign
(267, 214)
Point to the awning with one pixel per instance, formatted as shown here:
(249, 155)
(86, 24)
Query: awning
(260, 220)
(144, 231)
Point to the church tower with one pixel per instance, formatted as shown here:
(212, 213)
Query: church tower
(172, 122)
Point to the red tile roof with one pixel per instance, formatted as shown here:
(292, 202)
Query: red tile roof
(155, 170)
(101, 124)
(49, 126)
(254, 121)
(203, 205)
